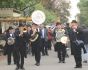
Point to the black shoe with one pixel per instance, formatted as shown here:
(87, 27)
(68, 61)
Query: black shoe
(47, 54)
(17, 68)
(43, 54)
(59, 62)
(22, 68)
(9, 63)
(26, 56)
(37, 64)
(63, 61)
(67, 56)
(14, 62)
(84, 61)
(78, 67)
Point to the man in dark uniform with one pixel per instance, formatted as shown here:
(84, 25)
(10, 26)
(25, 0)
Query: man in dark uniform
(35, 41)
(9, 48)
(72, 38)
(77, 54)
(76, 44)
(29, 31)
(20, 49)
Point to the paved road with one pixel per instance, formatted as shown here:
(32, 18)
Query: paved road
(47, 63)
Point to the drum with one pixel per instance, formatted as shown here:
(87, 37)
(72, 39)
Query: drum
(10, 41)
(64, 39)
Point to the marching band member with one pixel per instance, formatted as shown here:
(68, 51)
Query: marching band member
(10, 42)
(20, 49)
(35, 42)
(76, 43)
(61, 47)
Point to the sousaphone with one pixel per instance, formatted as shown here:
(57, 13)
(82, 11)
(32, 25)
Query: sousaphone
(38, 17)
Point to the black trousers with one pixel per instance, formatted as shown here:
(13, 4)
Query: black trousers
(20, 54)
(10, 52)
(37, 54)
(49, 44)
(44, 45)
(33, 51)
(78, 60)
(72, 47)
(61, 51)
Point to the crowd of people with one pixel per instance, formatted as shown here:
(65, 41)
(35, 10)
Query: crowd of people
(27, 39)
(37, 40)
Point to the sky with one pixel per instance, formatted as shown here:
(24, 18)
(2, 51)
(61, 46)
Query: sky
(74, 10)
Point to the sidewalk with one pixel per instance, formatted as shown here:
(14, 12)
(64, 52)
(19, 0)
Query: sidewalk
(2, 57)
(47, 63)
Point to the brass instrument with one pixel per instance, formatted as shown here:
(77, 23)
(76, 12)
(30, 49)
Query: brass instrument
(34, 37)
(23, 29)
(38, 17)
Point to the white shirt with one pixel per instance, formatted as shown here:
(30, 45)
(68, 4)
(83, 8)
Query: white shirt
(11, 35)
(42, 33)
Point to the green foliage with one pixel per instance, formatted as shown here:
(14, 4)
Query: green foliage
(39, 7)
(83, 5)
(18, 4)
(60, 8)
(47, 6)
(50, 15)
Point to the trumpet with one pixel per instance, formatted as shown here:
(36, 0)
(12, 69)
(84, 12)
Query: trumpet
(23, 29)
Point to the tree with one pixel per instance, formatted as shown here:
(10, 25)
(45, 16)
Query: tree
(50, 15)
(18, 4)
(60, 7)
(83, 6)
(52, 8)
(6, 3)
